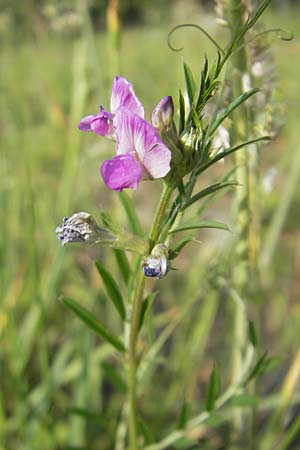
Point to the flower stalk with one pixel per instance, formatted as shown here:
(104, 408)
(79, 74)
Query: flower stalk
(135, 317)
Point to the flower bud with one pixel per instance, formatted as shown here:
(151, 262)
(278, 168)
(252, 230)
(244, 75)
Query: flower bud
(163, 113)
(82, 227)
(157, 264)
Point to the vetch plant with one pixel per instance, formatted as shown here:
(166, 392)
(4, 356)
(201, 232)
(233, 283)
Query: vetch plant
(178, 152)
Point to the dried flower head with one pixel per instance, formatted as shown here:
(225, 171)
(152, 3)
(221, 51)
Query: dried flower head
(82, 227)
(157, 264)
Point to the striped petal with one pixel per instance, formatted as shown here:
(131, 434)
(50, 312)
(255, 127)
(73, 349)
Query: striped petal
(138, 137)
(123, 95)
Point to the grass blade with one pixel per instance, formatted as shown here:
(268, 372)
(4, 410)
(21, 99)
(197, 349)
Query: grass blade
(131, 214)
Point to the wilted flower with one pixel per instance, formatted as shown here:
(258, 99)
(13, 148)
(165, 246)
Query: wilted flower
(122, 95)
(82, 227)
(163, 113)
(157, 264)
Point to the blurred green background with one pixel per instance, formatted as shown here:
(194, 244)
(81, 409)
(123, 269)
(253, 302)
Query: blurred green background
(58, 387)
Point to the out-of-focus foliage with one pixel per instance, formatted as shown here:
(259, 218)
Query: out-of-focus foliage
(36, 17)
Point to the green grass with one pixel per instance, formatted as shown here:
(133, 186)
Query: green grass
(49, 363)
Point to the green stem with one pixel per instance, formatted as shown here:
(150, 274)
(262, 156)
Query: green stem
(239, 131)
(159, 215)
(132, 358)
(134, 313)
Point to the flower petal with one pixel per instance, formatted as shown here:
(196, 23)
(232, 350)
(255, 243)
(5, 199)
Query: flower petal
(102, 124)
(157, 160)
(123, 95)
(85, 123)
(120, 172)
(136, 136)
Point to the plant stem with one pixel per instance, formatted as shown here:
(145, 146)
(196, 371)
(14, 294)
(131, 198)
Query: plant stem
(159, 214)
(239, 131)
(134, 313)
(132, 357)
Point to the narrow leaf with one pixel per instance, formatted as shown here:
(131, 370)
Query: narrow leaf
(123, 264)
(88, 318)
(184, 415)
(179, 245)
(190, 83)
(230, 108)
(257, 13)
(207, 191)
(213, 389)
(181, 112)
(145, 431)
(131, 214)
(112, 289)
(201, 224)
(228, 152)
(258, 368)
(271, 363)
(252, 333)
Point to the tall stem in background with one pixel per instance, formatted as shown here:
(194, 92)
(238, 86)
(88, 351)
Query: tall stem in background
(114, 35)
(239, 134)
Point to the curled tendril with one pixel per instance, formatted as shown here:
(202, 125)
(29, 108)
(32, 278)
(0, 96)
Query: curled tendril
(198, 27)
(283, 36)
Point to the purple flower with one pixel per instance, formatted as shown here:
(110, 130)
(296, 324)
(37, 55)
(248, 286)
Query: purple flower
(162, 115)
(122, 96)
(140, 153)
(122, 171)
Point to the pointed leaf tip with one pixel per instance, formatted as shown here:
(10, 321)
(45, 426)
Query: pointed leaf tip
(90, 320)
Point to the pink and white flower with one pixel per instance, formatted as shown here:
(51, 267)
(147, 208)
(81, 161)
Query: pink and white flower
(122, 96)
(141, 154)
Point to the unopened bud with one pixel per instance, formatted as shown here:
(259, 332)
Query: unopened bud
(82, 227)
(163, 113)
(157, 264)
